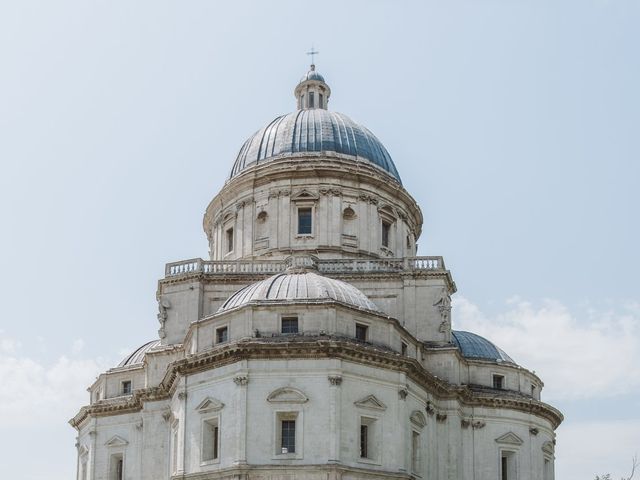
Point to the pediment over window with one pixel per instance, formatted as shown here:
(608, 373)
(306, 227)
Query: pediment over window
(209, 405)
(510, 439)
(418, 419)
(116, 441)
(548, 447)
(370, 402)
(304, 195)
(287, 395)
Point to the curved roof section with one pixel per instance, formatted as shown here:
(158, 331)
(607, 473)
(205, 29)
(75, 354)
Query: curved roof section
(476, 347)
(312, 75)
(314, 130)
(137, 357)
(299, 286)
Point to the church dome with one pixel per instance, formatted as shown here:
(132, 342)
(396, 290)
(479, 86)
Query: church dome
(299, 286)
(313, 129)
(475, 347)
(137, 356)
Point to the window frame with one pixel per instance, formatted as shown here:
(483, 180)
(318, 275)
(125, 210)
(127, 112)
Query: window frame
(229, 240)
(280, 415)
(217, 444)
(511, 457)
(311, 210)
(124, 391)
(374, 436)
(287, 318)
(366, 327)
(220, 328)
(503, 381)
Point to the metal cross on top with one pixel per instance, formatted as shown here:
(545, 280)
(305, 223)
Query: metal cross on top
(313, 53)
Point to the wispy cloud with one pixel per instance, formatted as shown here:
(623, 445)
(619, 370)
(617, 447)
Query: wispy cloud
(575, 357)
(38, 393)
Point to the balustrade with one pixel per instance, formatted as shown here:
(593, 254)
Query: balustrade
(341, 265)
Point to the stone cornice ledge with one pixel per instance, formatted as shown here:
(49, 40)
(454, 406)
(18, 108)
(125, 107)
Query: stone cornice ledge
(315, 349)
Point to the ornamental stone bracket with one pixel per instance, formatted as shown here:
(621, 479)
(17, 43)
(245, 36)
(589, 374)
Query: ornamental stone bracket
(182, 395)
(241, 380)
(534, 431)
(402, 393)
(474, 424)
(441, 417)
(430, 409)
(335, 380)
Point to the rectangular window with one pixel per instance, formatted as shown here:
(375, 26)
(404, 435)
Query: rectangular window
(289, 325)
(311, 100)
(498, 382)
(304, 221)
(368, 436)
(230, 240)
(507, 466)
(364, 441)
(533, 390)
(174, 448)
(210, 440)
(361, 332)
(404, 349)
(386, 228)
(116, 467)
(222, 334)
(320, 100)
(415, 451)
(288, 436)
(126, 387)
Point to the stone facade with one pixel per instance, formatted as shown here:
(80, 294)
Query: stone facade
(271, 365)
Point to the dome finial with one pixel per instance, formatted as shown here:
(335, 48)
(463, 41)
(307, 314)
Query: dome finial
(313, 52)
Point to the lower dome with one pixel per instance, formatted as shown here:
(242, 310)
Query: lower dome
(299, 286)
(314, 130)
(476, 347)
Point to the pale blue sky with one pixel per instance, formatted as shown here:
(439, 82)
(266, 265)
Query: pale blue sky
(515, 124)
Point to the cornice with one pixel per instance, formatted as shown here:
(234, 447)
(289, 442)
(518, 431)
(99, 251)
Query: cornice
(317, 348)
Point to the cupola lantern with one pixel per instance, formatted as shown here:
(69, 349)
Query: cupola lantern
(312, 91)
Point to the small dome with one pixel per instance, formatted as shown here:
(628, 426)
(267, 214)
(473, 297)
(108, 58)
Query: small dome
(299, 286)
(314, 130)
(312, 74)
(476, 347)
(137, 357)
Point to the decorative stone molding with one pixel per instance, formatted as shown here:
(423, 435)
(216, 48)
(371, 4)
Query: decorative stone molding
(139, 425)
(209, 405)
(418, 419)
(534, 431)
(287, 395)
(331, 191)
(402, 393)
(548, 447)
(465, 423)
(444, 306)
(441, 417)
(370, 402)
(335, 380)
(430, 409)
(316, 348)
(368, 199)
(241, 380)
(478, 424)
(182, 395)
(163, 305)
(509, 438)
(279, 193)
(167, 415)
(116, 441)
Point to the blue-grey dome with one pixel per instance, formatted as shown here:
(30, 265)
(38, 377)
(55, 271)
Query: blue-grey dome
(314, 130)
(476, 347)
(312, 75)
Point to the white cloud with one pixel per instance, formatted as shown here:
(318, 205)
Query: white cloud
(588, 357)
(38, 393)
(587, 449)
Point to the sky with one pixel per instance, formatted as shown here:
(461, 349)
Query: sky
(513, 124)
